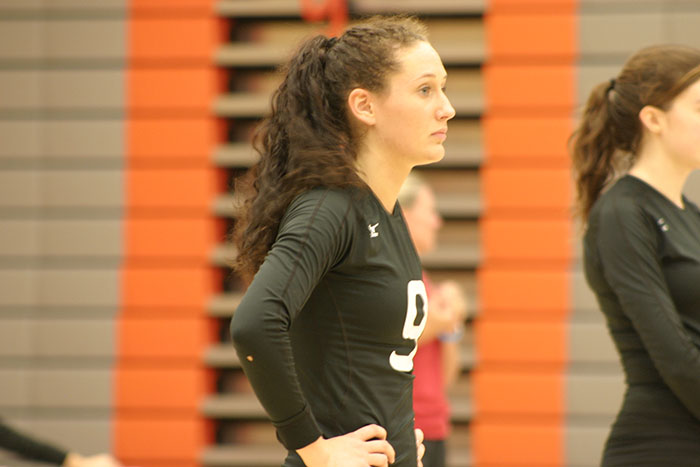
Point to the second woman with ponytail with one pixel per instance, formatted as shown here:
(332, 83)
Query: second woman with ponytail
(638, 141)
(327, 330)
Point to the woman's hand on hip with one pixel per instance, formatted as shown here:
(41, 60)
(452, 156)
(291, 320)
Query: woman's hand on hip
(363, 447)
(420, 448)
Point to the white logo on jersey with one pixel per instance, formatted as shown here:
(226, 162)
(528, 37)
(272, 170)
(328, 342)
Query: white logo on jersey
(373, 230)
(662, 224)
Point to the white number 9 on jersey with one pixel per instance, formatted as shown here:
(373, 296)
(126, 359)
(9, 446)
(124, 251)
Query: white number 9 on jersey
(411, 330)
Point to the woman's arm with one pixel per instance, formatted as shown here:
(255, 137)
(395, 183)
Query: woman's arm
(29, 447)
(312, 236)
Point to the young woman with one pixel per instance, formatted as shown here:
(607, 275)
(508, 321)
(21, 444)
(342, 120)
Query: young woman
(327, 329)
(642, 247)
(436, 363)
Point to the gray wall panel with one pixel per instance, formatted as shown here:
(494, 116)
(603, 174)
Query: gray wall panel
(619, 34)
(62, 139)
(594, 393)
(584, 301)
(20, 138)
(81, 238)
(19, 238)
(21, 89)
(21, 39)
(57, 338)
(85, 139)
(591, 343)
(23, 5)
(684, 28)
(74, 338)
(15, 339)
(62, 89)
(84, 89)
(87, 436)
(79, 287)
(62, 126)
(86, 5)
(62, 188)
(66, 388)
(86, 188)
(692, 187)
(585, 444)
(19, 188)
(14, 390)
(18, 287)
(85, 39)
(590, 75)
(91, 288)
(614, 6)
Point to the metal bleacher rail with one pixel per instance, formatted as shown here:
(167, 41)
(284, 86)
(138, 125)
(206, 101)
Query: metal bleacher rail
(263, 34)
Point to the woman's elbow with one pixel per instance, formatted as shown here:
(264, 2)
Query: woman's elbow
(243, 332)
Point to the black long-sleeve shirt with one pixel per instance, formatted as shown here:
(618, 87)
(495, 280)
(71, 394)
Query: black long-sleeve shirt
(642, 260)
(30, 448)
(326, 331)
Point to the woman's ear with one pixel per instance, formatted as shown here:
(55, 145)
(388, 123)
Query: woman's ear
(652, 118)
(361, 105)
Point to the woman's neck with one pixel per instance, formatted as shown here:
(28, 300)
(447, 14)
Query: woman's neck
(658, 170)
(383, 177)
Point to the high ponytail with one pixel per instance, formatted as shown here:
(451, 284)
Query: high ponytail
(608, 138)
(308, 141)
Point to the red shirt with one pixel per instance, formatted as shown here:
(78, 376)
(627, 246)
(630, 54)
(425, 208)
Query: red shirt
(429, 400)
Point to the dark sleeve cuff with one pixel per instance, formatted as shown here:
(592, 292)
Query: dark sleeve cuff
(30, 448)
(298, 431)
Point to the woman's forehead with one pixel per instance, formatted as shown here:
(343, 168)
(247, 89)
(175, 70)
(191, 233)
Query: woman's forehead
(420, 60)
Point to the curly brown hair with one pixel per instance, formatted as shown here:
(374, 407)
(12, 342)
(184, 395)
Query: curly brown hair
(309, 140)
(608, 137)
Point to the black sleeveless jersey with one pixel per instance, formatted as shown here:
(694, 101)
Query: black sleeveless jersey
(327, 330)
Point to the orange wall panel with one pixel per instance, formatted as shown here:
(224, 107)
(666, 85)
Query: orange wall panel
(170, 241)
(523, 392)
(156, 389)
(526, 231)
(173, 139)
(170, 232)
(530, 240)
(526, 140)
(166, 191)
(174, 40)
(520, 342)
(171, 289)
(171, 339)
(172, 91)
(512, 291)
(531, 6)
(535, 90)
(531, 443)
(523, 189)
(177, 438)
(528, 37)
(172, 7)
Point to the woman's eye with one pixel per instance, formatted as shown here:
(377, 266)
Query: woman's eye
(425, 90)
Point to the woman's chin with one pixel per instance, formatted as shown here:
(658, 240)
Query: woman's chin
(434, 156)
